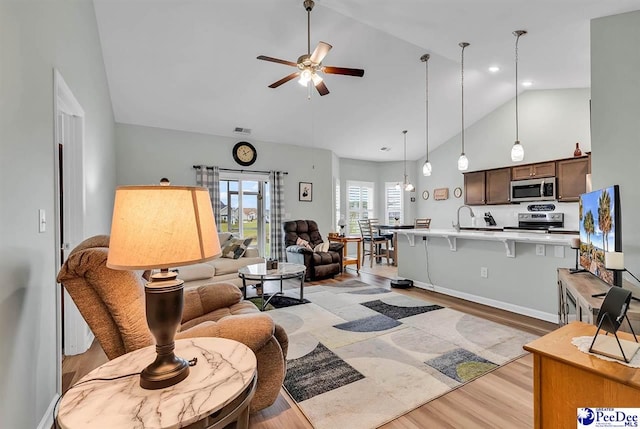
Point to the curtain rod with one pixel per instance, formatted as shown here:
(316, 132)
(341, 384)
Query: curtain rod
(241, 171)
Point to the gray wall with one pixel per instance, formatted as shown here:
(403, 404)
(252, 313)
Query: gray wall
(615, 61)
(551, 122)
(145, 154)
(35, 37)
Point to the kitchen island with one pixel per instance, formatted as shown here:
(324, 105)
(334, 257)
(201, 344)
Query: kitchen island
(511, 270)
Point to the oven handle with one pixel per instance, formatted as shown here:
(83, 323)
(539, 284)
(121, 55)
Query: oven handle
(542, 189)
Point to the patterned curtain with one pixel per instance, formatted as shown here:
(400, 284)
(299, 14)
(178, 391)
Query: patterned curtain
(209, 177)
(276, 180)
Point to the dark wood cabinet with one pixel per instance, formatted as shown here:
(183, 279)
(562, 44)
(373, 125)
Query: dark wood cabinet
(474, 188)
(572, 175)
(498, 186)
(533, 171)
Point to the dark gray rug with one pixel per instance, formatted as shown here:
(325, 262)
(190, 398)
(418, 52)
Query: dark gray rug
(370, 291)
(317, 372)
(396, 312)
(278, 301)
(375, 323)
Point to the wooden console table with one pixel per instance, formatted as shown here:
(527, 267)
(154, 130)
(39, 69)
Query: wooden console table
(565, 379)
(346, 260)
(575, 301)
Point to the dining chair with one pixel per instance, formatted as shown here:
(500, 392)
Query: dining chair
(423, 223)
(378, 246)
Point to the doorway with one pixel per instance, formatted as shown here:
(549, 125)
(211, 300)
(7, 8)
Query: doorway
(245, 201)
(73, 334)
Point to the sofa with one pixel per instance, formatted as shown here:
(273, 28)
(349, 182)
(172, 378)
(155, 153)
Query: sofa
(320, 264)
(113, 304)
(220, 269)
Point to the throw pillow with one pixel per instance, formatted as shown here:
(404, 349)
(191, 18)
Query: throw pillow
(322, 247)
(235, 247)
(303, 243)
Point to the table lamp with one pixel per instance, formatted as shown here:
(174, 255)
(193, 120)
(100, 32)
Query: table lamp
(159, 227)
(342, 223)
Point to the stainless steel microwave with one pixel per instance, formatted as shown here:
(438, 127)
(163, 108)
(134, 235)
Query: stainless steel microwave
(533, 190)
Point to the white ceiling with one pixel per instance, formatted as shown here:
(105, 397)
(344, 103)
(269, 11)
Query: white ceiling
(191, 65)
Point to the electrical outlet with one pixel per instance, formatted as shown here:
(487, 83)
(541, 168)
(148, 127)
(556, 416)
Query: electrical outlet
(540, 249)
(484, 272)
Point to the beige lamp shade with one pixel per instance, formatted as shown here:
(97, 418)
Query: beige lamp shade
(161, 227)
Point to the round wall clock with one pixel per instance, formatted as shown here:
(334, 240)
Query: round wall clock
(457, 192)
(244, 153)
(425, 195)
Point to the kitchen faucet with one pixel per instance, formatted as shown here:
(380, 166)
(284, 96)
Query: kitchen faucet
(457, 224)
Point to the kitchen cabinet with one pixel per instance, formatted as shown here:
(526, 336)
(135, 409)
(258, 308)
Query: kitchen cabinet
(533, 171)
(572, 175)
(474, 188)
(498, 186)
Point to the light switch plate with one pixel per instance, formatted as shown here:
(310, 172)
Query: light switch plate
(540, 249)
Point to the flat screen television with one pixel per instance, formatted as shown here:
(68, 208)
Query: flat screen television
(600, 232)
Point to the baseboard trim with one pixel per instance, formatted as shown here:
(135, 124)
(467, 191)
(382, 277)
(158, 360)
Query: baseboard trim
(536, 314)
(47, 420)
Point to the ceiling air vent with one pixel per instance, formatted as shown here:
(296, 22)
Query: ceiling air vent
(243, 131)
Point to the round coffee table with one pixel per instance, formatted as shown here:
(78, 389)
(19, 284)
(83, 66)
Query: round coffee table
(259, 272)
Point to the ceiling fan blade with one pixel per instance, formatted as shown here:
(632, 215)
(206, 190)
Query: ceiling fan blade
(322, 88)
(277, 60)
(284, 80)
(343, 70)
(320, 52)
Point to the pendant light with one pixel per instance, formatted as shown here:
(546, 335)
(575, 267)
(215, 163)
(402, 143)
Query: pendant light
(463, 162)
(426, 168)
(517, 150)
(407, 185)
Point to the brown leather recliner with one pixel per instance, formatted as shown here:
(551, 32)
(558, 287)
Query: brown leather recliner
(112, 302)
(319, 264)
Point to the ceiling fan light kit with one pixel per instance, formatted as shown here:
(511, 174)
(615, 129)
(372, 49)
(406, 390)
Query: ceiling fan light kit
(517, 150)
(310, 65)
(463, 162)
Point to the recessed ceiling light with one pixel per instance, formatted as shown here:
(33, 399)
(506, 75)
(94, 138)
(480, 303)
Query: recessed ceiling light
(385, 149)
(494, 69)
(527, 83)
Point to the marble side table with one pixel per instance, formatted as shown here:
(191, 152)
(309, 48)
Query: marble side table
(216, 392)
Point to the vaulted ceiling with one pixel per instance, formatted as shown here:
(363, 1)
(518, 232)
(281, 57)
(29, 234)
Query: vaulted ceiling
(191, 65)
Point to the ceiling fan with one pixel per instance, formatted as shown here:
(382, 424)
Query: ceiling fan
(310, 65)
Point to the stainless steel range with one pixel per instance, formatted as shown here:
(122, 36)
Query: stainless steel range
(538, 221)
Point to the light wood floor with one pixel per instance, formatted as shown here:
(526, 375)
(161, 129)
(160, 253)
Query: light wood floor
(501, 399)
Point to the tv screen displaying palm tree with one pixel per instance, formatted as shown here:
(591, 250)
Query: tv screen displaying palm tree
(600, 231)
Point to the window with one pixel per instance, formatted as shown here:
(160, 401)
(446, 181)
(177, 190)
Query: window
(393, 203)
(359, 204)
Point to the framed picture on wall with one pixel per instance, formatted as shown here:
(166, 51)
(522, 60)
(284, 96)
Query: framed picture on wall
(305, 192)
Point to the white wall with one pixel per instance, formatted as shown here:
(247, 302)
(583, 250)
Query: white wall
(551, 122)
(615, 61)
(145, 155)
(35, 37)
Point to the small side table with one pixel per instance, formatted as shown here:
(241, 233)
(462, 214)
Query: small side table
(346, 260)
(217, 391)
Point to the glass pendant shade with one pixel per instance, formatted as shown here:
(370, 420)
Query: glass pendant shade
(463, 162)
(426, 169)
(517, 152)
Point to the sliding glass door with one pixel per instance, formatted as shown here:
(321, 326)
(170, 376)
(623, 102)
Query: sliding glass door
(245, 209)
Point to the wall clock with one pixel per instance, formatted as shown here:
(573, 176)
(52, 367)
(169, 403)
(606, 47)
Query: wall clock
(457, 192)
(244, 153)
(425, 195)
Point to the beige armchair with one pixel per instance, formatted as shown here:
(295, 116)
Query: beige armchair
(112, 303)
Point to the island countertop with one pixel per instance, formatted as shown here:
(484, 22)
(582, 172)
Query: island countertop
(509, 238)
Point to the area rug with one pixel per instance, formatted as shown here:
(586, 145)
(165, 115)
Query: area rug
(360, 356)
